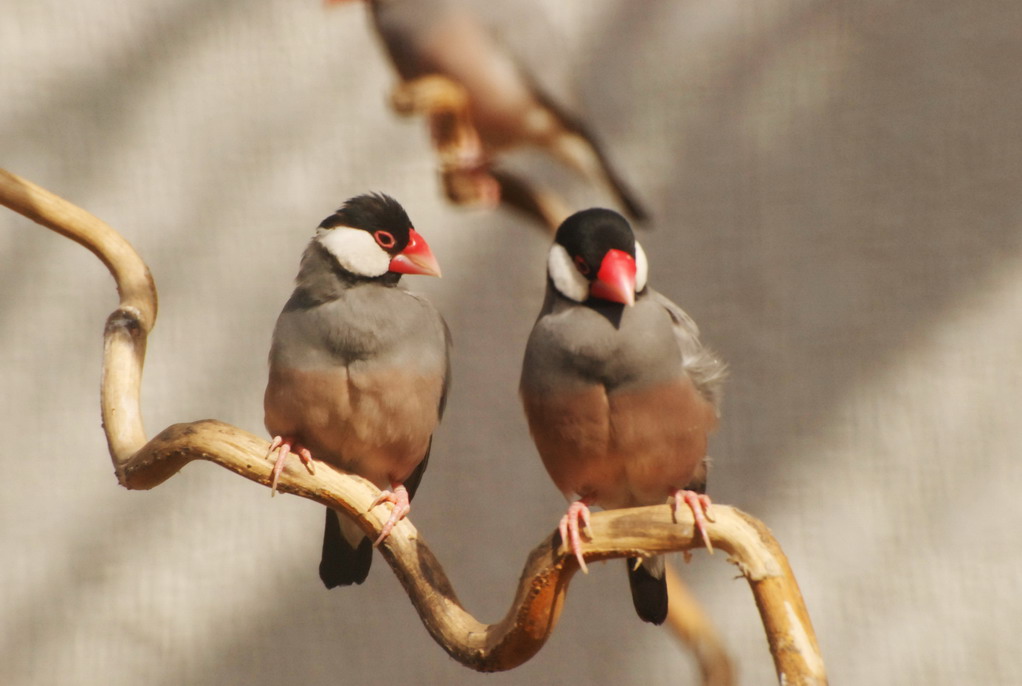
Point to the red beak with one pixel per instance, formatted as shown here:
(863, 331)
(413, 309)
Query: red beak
(615, 281)
(416, 258)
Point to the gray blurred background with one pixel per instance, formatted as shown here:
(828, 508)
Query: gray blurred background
(836, 200)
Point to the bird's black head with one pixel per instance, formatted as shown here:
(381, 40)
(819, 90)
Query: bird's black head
(371, 235)
(595, 254)
(588, 236)
(378, 214)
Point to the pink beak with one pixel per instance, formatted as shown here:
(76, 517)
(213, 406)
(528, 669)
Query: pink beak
(615, 281)
(416, 258)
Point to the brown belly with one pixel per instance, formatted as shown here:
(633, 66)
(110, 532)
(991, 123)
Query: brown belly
(622, 449)
(375, 425)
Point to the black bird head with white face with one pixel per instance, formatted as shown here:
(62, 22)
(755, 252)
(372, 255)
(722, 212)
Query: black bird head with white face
(595, 255)
(371, 235)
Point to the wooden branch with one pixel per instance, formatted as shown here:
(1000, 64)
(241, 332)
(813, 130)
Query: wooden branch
(127, 328)
(548, 570)
(688, 621)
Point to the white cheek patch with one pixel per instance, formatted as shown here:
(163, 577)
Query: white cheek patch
(355, 250)
(565, 276)
(641, 268)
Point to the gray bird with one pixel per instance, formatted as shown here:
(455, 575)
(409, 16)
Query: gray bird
(506, 107)
(359, 368)
(619, 393)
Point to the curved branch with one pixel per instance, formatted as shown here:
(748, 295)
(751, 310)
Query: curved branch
(127, 327)
(548, 570)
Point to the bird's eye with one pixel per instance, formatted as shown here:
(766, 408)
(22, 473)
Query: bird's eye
(385, 239)
(582, 266)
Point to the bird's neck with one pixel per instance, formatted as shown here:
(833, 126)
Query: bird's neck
(555, 301)
(321, 279)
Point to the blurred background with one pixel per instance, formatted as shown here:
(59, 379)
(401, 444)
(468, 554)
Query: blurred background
(835, 193)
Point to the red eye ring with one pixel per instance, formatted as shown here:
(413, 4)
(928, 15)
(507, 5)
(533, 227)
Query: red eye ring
(582, 266)
(385, 239)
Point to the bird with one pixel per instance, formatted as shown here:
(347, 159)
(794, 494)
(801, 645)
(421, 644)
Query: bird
(619, 393)
(359, 368)
(481, 102)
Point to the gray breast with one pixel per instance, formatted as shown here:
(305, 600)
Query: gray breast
(366, 322)
(574, 346)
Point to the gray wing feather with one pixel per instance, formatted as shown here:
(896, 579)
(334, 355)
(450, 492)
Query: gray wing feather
(448, 344)
(707, 371)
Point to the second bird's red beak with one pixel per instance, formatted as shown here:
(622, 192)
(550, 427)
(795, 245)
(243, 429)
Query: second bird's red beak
(416, 258)
(615, 281)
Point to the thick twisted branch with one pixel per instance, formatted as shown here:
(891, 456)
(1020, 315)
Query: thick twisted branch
(548, 570)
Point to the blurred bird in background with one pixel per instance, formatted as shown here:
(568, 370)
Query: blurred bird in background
(359, 368)
(479, 103)
(619, 393)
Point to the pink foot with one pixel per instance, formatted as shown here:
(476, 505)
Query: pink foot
(284, 447)
(399, 498)
(571, 532)
(699, 503)
(489, 191)
(474, 186)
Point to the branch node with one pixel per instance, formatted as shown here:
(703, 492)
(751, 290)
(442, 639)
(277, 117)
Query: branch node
(125, 318)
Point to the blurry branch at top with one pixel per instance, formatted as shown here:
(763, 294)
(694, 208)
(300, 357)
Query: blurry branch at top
(142, 464)
(480, 102)
(468, 178)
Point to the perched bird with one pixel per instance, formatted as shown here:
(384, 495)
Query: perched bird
(359, 368)
(449, 62)
(619, 393)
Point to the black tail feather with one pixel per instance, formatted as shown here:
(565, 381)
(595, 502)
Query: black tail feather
(625, 195)
(649, 593)
(343, 564)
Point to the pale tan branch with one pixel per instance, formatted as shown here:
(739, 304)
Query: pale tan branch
(127, 327)
(688, 621)
(548, 571)
(134, 282)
